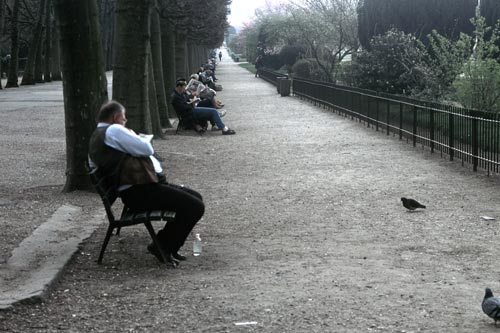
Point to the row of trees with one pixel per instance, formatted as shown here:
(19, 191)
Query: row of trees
(148, 44)
(27, 32)
(439, 50)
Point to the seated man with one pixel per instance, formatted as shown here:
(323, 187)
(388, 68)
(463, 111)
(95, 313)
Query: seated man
(193, 115)
(110, 144)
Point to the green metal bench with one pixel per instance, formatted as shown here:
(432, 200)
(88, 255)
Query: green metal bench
(128, 217)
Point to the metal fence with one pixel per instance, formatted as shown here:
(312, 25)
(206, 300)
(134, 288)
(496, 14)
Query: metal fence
(270, 76)
(468, 135)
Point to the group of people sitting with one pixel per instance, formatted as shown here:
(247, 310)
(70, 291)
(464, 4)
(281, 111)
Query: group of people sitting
(196, 104)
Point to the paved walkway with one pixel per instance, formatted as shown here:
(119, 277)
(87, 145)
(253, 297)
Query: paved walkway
(303, 232)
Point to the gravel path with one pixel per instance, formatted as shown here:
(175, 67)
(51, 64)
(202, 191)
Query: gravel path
(303, 232)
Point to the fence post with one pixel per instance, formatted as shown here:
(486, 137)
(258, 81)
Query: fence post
(475, 141)
(400, 121)
(351, 98)
(376, 115)
(432, 129)
(387, 118)
(451, 135)
(414, 131)
(368, 113)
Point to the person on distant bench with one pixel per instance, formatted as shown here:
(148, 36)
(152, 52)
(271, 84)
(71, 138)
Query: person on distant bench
(193, 115)
(207, 95)
(110, 143)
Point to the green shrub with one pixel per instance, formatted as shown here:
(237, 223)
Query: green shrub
(302, 68)
(308, 69)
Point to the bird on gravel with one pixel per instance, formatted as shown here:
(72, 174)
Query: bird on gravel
(411, 204)
(491, 305)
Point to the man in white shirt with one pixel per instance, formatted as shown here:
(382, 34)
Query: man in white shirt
(110, 143)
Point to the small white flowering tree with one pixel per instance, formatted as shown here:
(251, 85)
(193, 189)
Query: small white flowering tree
(478, 86)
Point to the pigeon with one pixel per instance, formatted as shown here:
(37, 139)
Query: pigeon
(491, 305)
(411, 204)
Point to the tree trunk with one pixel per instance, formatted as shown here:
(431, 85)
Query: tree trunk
(2, 15)
(158, 69)
(168, 55)
(200, 56)
(189, 59)
(130, 69)
(180, 56)
(47, 77)
(12, 80)
(34, 48)
(55, 59)
(39, 61)
(153, 101)
(84, 84)
(107, 21)
(109, 48)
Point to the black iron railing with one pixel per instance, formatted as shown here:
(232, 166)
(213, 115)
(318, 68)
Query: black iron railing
(271, 76)
(469, 135)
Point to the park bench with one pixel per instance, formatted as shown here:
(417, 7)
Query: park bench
(128, 217)
(180, 122)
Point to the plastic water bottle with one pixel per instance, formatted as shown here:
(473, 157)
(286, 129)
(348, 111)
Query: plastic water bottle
(197, 245)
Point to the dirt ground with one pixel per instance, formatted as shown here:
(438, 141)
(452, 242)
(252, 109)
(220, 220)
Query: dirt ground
(303, 232)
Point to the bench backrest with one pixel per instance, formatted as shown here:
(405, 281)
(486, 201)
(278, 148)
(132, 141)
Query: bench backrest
(103, 185)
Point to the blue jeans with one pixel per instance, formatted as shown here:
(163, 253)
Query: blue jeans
(210, 114)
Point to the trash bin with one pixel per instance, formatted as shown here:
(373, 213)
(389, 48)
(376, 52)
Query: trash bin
(284, 87)
(278, 84)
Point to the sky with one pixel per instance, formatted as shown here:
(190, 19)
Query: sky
(242, 11)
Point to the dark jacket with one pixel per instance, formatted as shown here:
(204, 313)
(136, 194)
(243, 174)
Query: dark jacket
(122, 168)
(181, 105)
(107, 159)
(183, 109)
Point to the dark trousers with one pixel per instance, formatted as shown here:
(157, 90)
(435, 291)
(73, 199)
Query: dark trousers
(210, 114)
(186, 203)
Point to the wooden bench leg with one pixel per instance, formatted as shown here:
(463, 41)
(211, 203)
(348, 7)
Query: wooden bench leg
(105, 243)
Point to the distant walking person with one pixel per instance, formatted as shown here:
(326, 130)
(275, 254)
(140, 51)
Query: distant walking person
(220, 55)
(258, 65)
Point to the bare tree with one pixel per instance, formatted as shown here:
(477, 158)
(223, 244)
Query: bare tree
(168, 59)
(156, 52)
(130, 69)
(2, 27)
(12, 79)
(47, 77)
(329, 29)
(34, 48)
(107, 23)
(55, 59)
(84, 82)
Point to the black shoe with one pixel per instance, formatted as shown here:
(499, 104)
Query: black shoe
(198, 129)
(170, 258)
(228, 132)
(178, 256)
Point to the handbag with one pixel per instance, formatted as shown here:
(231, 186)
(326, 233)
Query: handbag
(137, 170)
